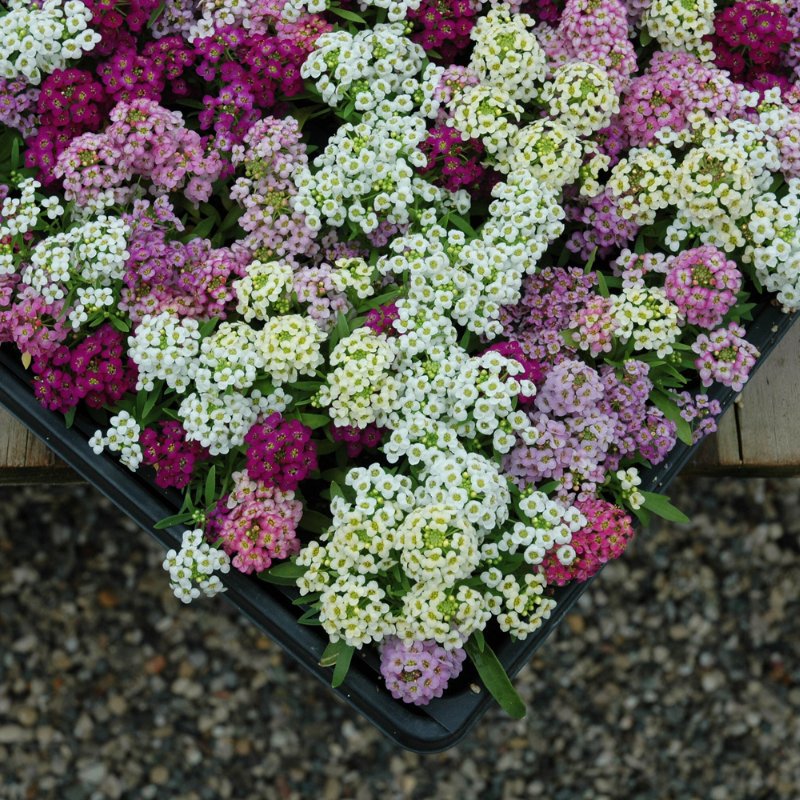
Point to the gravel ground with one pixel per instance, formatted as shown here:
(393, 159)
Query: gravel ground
(677, 677)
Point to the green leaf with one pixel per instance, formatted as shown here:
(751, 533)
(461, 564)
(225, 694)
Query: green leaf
(330, 654)
(342, 665)
(590, 262)
(463, 225)
(495, 679)
(157, 12)
(15, 153)
(287, 569)
(669, 408)
(150, 403)
(120, 324)
(314, 522)
(337, 655)
(644, 37)
(309, 617)
(314, 421)
(661, 507)
(201, 230)
(350, 16)
(231, 218)
(480, 640)
(210, 492)
(175, 519)
(69, 417)
(602, 284)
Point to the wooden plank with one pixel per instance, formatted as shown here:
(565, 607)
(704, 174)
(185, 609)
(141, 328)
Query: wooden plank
(721, 450)
(769, 411)
(24, 458)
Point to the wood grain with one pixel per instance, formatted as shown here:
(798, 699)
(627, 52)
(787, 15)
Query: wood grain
(24, 458)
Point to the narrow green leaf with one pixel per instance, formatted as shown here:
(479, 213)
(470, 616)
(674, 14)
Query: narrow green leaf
(277, 580)
(157, 12)
(331, 653)
(480, 640)
(350, 16)
(15, 153)
(286, 569)
(590, 261)
(342, 666)
(231, 218)
(201, 230)
(495, 679)
(210, 492)
(309, 617)
(69, 417)
(120, 324)
(661, 507)
(175, 519)
(463, 225)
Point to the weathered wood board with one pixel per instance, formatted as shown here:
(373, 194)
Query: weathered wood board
(24, 458)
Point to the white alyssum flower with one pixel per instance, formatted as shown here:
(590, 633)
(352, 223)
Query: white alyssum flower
(230, 358)
(121, 437)
(192, 568)
(164, 347)
(93, 252)
(264, 289)
(366, 67)
(546, 524)
(289, 347)
(507, 54)
(89, 301)
(367, 174)
(646, 315)
(354, 274)
(581, 95)
(630, 480)
(359, 388)
(681, 25)
(37, 40)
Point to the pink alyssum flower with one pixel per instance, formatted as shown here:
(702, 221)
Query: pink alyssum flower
(255, 524)
(725, 356)
(280, 452)
(418, 672)
(703, 283)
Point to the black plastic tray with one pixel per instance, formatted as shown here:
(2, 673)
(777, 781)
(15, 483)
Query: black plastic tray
(433, 728)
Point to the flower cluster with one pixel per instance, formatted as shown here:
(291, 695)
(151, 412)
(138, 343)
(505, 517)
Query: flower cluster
(191, 569)
(143, 141)
(280, 453)
(95, 371)
(418, 672)
(165, 449)
(255, 524)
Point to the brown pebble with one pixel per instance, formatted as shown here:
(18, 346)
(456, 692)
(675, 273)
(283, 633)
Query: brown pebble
(155, 665)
